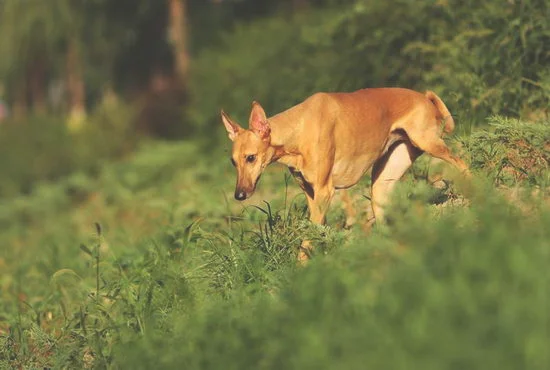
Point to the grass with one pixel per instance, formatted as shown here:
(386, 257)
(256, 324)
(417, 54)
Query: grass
(153, 265)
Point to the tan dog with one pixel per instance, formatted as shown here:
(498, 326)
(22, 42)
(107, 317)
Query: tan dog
(331, 139)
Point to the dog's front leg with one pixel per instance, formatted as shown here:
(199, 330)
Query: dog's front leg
(318, 205)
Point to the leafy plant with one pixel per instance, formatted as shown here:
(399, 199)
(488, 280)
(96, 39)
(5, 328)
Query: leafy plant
(512, 151)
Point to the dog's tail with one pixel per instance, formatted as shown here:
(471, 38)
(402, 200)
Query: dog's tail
(444, 114)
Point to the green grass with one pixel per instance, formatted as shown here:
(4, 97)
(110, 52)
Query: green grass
(30, 154)
(152, 264)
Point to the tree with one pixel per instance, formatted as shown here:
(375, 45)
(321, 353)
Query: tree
(75, 82)
(178, 24)
(27, 32)
(300, 4)
(36, 37)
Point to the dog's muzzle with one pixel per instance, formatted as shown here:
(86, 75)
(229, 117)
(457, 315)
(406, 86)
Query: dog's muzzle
(240, 195)
(244, 191)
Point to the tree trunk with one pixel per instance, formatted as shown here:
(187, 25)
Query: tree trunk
(37, 82)
(298, 5)
(178, 37)
(75, 84)
(20, 99)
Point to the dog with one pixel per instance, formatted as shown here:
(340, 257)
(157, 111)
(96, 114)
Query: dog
(330, 140)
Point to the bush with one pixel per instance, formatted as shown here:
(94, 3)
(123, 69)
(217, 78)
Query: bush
(441, 286)
(43, 149)
(463, 291)
(512, 152)
(481, 57)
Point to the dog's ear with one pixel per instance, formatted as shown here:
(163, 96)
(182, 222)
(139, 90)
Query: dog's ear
(232, 128)
(258, 121)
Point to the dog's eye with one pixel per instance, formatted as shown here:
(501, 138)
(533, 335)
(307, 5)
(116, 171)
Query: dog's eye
(233, 162)
(250, 158)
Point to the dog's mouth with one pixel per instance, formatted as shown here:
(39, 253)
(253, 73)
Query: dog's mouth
(256, 183)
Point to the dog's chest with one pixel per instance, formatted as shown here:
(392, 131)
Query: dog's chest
(346, 172)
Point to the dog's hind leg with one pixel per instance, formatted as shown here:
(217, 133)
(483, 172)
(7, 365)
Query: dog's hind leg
(387, 171)
(438, 149)
(347, 204)
(427, 137)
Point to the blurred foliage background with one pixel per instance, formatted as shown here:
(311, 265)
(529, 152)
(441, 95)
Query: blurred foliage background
(121, 246)
(84, 81)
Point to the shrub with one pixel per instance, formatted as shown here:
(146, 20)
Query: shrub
(512, 152)
(466, 290)
(43, 149)
(482, 57)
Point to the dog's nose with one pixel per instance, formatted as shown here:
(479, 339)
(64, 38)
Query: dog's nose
(240, 195)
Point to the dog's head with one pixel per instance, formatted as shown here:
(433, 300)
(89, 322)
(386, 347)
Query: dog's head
(251, 152)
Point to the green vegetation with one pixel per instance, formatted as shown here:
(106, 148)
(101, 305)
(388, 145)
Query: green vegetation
(512, 151)
(175, 272)
(118, 250)
(45, 149)
(483, 57)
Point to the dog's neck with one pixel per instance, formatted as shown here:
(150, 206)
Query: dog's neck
(285, 136)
